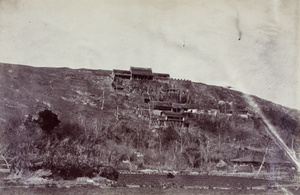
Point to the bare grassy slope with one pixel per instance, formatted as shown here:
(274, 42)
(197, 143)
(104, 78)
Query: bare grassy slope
(70, 93)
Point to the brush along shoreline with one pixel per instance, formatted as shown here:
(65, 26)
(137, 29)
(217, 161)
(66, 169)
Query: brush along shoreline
(42, 178)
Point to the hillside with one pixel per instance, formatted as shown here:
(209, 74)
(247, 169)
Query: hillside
(209, 123)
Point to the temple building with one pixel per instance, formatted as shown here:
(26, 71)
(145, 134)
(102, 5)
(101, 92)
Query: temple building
(138, 73)
(123, 74)
(141, 73)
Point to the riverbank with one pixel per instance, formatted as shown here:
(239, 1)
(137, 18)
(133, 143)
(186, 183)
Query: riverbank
(148, 183)
(133, 191)
(145, 184)
(276, 176)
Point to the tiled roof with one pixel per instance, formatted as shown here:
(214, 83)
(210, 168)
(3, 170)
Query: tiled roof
(141, 71)
(172, 114)
(116, 71)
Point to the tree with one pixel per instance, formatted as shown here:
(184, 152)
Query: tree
(119, 100)
(267, 140)
(47, 121)
(181, 132)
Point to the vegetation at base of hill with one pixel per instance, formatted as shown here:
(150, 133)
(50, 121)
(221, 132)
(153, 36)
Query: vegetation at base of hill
(65, 150)
(69, 151)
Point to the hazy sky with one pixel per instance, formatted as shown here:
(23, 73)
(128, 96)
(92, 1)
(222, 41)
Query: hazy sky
(251, 45)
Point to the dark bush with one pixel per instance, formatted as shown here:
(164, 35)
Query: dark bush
(109, 173)
(72, 172)
(47, 121)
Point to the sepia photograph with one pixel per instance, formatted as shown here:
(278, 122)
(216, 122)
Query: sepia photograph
(149, 97)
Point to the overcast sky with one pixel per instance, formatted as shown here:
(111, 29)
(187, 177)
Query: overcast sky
(250, 45)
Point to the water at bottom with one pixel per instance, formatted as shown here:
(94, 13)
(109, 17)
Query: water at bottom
(125, 191)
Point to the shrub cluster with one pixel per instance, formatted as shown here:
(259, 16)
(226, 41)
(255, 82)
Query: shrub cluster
(70, 150)
(66, 150)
